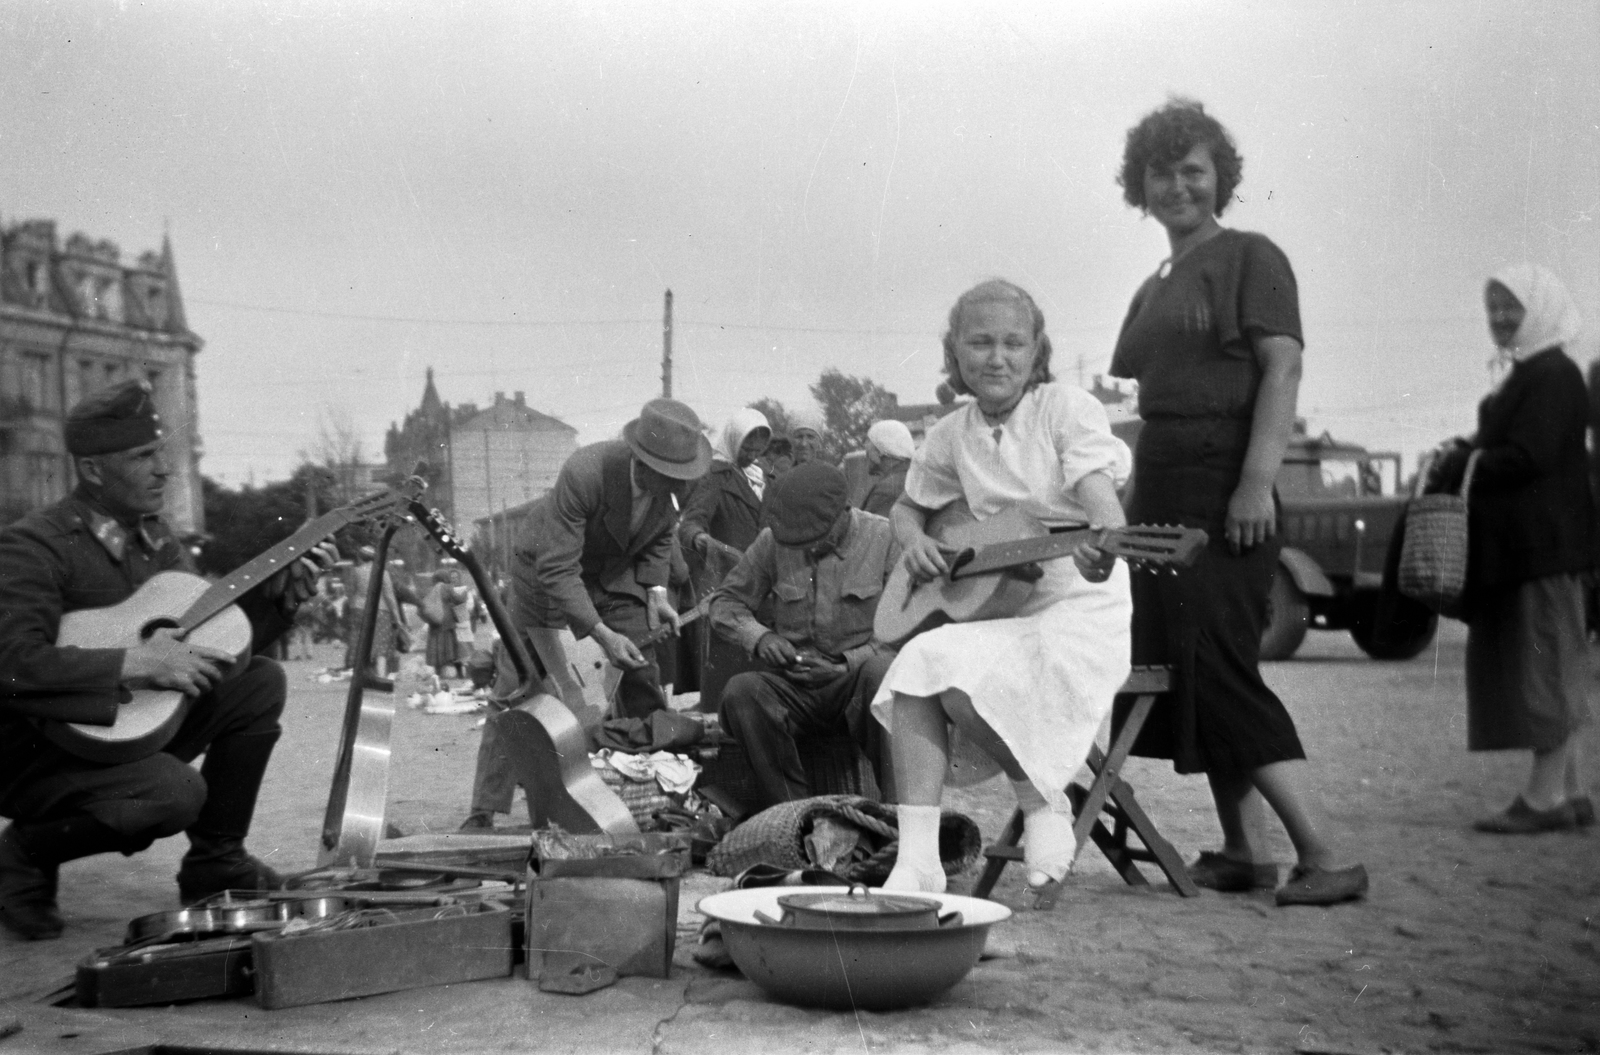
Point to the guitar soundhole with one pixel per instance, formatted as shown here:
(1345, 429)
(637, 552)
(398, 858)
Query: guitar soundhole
(164, 623)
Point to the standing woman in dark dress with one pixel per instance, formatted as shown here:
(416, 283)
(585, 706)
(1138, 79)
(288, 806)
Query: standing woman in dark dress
(1530, 546)
(1213, 338)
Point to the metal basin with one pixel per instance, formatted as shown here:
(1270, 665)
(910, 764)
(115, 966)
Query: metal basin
(876, 970)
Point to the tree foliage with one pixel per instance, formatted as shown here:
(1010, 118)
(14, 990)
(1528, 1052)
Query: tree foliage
(243, 523)
(850, 405)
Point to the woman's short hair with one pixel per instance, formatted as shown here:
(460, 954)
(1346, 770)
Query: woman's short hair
(1165, 135)
(997, 289)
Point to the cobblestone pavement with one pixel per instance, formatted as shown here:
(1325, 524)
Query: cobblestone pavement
(1467, 942)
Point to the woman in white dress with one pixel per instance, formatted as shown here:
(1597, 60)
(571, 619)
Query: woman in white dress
(1030, 691)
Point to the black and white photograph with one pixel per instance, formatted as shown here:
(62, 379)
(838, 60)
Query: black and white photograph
(814, 526)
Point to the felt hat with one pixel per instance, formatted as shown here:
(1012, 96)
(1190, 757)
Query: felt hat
(117, 418)
(666, 436)
(803, 503)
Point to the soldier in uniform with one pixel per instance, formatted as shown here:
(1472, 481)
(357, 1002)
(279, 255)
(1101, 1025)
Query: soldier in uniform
(94, 549)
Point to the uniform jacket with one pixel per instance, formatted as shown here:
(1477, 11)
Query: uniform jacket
(576, 551)
(827, 605)
(67, 557)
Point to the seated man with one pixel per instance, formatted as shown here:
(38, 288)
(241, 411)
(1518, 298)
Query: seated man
(824, 565)
(595, 558)
(93, 549)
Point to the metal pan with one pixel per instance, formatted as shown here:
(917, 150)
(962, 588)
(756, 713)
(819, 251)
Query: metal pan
(237, 917)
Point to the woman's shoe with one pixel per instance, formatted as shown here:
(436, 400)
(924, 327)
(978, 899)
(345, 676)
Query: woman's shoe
(1216, 871)
(1047, 846)
(1323, 886)
(1582, 810)
(1522, 819)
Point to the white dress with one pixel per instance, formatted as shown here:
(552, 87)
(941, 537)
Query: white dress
(1044, 679)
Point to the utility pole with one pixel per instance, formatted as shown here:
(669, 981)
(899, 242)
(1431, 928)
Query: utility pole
(666, 349)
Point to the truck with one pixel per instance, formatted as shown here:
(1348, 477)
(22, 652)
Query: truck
(1340, 504)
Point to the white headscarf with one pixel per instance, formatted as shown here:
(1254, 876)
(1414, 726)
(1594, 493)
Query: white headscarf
(1550, 318)
(734, 433)
(892, 438)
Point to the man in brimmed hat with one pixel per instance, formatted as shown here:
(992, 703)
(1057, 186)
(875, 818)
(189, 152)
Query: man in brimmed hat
(595, 558)
(823, 566)
(94, 549)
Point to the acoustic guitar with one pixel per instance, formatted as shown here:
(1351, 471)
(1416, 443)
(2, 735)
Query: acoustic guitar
(561, 785)
(994, 567)
(204, 613)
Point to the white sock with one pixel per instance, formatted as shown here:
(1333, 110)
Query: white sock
(1047, 843)
(917, 866)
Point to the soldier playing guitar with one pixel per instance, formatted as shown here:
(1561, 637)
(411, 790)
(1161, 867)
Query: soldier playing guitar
(93, 549)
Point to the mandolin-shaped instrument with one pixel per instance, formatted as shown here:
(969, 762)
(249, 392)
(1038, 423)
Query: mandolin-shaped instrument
(204, 613)
(994, 566)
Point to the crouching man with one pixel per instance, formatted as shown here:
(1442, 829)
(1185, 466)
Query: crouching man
(94, 549)
(824, 566)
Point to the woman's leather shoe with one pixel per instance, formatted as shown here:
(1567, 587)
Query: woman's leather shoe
(1522, 819)
(1323, 886)
(1216, 871)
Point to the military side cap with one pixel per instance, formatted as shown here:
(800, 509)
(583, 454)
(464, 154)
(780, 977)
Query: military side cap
(113, 419)
(803, 503)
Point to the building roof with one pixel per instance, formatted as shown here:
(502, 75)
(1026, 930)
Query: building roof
(513, 415)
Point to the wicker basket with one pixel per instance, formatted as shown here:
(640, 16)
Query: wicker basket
(1433, 554)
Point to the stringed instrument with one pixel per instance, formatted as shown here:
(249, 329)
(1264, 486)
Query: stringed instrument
(993, 567)
(561, 784)
(204, 613)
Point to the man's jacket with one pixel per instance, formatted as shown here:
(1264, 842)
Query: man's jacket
(577, 549)
(825, 604)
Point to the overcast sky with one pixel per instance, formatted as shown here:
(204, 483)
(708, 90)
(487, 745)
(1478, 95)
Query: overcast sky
(503, 191)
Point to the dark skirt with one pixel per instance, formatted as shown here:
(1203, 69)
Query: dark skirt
(1528, 672)
(1206, 621)
(443, 649)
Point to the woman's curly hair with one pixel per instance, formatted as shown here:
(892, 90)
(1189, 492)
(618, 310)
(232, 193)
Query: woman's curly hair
(1165, 135)
(997, 289)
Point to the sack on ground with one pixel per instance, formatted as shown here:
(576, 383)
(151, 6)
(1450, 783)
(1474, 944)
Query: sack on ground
(853, 836)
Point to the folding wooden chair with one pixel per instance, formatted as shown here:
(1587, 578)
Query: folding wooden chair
(1109, 794)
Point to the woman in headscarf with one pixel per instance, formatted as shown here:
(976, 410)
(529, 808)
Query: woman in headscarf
(889, 451)
(1530, 547)
(725, 505)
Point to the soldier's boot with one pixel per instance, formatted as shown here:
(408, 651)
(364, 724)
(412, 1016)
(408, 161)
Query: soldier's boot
(217, 859)
(30, 856)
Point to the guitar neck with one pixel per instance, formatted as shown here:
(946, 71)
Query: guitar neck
(252, 574)
(1002, 556)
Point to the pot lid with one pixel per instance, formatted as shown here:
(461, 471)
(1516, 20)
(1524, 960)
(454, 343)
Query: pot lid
(860, 902)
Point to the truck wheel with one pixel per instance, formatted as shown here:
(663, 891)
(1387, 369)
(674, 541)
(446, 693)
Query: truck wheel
(1288, 616)
(1408, 630)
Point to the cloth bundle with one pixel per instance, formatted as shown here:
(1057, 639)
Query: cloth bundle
(854, 837)
(1433, 555)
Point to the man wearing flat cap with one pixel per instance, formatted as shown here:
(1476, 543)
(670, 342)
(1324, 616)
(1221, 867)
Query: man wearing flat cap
(94, 549)
(595, 557)
(823, 566)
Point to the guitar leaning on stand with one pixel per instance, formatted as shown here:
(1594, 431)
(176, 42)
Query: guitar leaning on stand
(994, 566)
(205, 614)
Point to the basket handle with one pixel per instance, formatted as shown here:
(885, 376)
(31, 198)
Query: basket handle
(1425, 466)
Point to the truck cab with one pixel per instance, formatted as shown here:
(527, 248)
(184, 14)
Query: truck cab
(1339, 507)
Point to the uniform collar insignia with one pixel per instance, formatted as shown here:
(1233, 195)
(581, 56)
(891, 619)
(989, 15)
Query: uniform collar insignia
(114, 537)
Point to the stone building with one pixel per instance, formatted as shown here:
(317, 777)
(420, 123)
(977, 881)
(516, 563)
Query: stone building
(478, 462)
(505, 456)
(75, 318)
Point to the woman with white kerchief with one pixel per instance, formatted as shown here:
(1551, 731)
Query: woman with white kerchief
(1530, 546)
